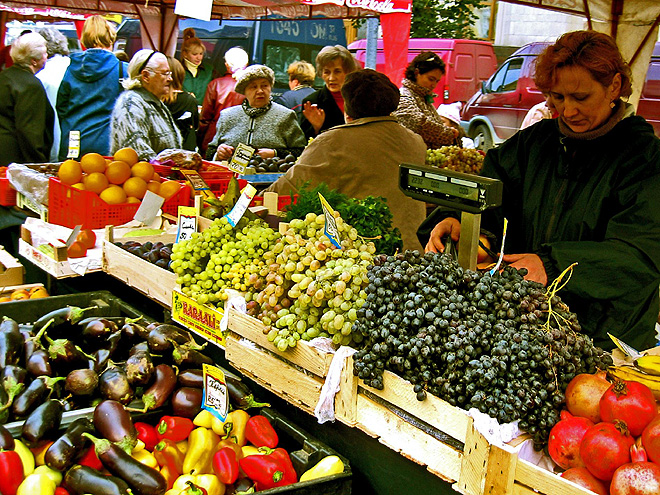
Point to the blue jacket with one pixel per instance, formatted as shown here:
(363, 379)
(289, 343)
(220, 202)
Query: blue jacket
(86, 98)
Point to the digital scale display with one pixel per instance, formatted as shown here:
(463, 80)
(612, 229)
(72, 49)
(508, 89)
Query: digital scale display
(465, 192)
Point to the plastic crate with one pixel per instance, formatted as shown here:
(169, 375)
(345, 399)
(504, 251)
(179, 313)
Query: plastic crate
(215, 173)
(69, 207)
(7, 193)
(305, 451)
(282, 201)
(220, 186)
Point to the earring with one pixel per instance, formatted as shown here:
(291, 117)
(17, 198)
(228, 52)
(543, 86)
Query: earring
(612, 104)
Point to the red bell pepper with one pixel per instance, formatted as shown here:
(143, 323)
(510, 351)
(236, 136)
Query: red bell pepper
(225, 465)
(268, 470)
(61, 491)
(11, 472)
(260, 432)
(175, 428)
(90, 459)
(147, 434)
(289, 472)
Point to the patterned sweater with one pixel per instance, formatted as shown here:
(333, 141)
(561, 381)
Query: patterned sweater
(142, 122)
(276, 129)
(421, 117)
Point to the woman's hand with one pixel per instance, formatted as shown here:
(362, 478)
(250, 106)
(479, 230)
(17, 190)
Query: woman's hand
(534, 265)
(449, 226)
(315, 115)
(266, 153)
(224, 152)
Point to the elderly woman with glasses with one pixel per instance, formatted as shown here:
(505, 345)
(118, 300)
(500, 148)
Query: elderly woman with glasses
(140, 119)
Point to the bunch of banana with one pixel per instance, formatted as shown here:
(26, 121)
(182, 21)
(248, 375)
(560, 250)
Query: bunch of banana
(646, 370)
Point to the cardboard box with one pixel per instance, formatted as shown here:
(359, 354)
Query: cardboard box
(13, 272)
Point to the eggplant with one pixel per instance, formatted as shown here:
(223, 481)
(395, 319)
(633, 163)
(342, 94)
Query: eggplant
(139, 369)
(114, 422)
(134, 331)
(141, 347)
(81, 382)
(187, 402)
(64, 451)
(160, 339)
(38, 364)
(34, 394)
(9, 325)
(240, 394)
(113, 384)
(13, 381)
(42, 422)
(61, 319)
(112, 343)
(191, 378)
(29, 343)
(162, 387)
(5, 405)
(142, 479)
(11, 343)
(65, 355)
(6, 439)
(98, 329)
(80, 480)
(100, 360)
(186, 356)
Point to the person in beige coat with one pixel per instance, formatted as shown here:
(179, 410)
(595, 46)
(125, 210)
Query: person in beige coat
(361, 158)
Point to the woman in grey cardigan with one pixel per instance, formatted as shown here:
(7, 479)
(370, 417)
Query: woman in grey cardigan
(269, 127)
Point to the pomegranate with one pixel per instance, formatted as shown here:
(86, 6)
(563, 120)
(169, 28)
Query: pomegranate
(583, 395)
(581, 476)
(651, 439)
(605, 447)
(565, 438)
(629, 401)
(639, 477)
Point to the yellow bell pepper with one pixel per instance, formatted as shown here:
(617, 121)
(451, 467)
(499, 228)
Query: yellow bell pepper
(182, 446)
(53, 474)
(139, 445)
(249, 450)
(40, 452)
(237, 419)
(26, 457)
(204, 419)
(209, 482)
(146, 458)
(201, 448)
(218, 426)
(37, 484)
(327, 466)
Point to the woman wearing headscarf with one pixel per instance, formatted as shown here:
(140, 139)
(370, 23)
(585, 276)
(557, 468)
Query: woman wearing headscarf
(258, 122)
(140, 120)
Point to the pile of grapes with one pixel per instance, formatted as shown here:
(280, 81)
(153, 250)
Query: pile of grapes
(312, 288)
(493, 342)
(455, 158)
(272, 165)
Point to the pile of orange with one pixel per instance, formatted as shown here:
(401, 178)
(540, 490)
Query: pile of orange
(124, 179)
(21, 294)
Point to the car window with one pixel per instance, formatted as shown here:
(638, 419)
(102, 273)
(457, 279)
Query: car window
(506, 78)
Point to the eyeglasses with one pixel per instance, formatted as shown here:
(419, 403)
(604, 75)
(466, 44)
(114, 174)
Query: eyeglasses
(166, 74)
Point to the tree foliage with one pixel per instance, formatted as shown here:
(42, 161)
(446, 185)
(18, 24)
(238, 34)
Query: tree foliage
(444, 18)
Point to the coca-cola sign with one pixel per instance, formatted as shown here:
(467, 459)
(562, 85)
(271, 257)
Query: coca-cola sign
(382, 6)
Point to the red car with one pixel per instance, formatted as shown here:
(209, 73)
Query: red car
(495, 112)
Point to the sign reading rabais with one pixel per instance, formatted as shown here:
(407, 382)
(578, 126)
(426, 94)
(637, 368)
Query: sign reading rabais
(201, 319)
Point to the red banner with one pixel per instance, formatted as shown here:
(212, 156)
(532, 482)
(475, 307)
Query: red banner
(396, 31)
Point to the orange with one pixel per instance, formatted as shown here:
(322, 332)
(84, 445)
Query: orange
(92, 162)
(135, 187)
(143, 170)
(169, 188)
(154, 187)
(87, 238)
(76, 250)
(95, 182)
(128, 155)
(131, 199)
(5, 299)
(19, 294)
(70, 172)
(117, 172)
(80, 185)
(113, 195)
(38, 293)
(156, 177)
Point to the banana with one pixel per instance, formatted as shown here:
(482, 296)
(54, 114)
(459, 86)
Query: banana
(630, 373)
(649, 364)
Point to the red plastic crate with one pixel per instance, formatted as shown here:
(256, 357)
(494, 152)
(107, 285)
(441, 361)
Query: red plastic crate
(69, 207)
(215, 173)
(7, 193)
(282, 201)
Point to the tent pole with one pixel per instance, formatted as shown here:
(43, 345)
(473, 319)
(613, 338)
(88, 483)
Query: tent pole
(372, 43)
(643, 42)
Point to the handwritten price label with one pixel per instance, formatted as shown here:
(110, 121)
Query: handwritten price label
(215, 398)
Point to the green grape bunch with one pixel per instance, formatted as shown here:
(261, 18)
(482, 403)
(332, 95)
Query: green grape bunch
(455, 158)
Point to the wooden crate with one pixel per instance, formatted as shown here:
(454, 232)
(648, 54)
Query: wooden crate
(153, 281)
(13, 271)
(296, 375)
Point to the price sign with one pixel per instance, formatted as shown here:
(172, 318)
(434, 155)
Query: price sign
(74, 144)
(201, 319)
(241, 205)
(215, 397)
(187, 223)
(241, 158)
(331, 230)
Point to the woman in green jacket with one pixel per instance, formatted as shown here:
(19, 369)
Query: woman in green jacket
(198, 75)
(583, 188)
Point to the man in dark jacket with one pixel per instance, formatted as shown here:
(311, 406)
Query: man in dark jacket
(26, 117)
